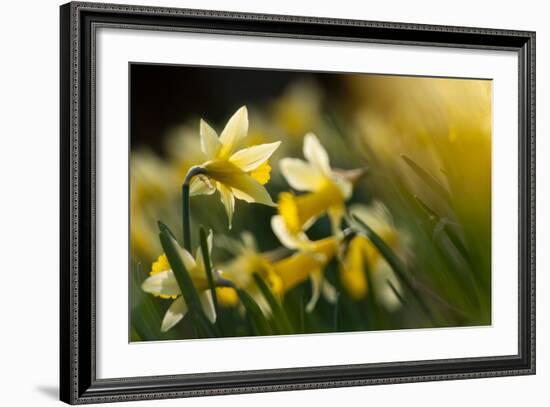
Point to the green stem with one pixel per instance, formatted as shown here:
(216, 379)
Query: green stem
(279, 315)
(336, 320)
(186, 212)
(208, 267)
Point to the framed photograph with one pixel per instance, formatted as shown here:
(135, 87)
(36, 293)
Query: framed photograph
(256, 203)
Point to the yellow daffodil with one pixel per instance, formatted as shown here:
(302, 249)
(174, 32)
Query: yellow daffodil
(362, 256)
(234, 173)
(282, 274)
(308, 262)
(152, 188)
(247, 261)
(326, 190)
(162, 283)
(298, 110)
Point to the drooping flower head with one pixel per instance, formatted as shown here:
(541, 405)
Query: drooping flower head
(234, 173)
(162, 283)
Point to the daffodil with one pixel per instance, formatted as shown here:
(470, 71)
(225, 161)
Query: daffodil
(308, 262)
(233, 172)
(282, 274)
(152, 191)
(247, 261)
(362, 256)
(298, 109)
(326, 189)
(162, 283)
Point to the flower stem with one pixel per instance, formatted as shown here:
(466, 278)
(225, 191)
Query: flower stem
(186, 212)
(208, 267)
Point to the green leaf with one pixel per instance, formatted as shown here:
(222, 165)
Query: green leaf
(254, 313)
(186, 285)
(336, 318)
(429, 179)
(281, 321)
(165, 229)
(208, 268)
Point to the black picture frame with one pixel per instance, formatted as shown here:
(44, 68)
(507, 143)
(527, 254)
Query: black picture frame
(78, 382)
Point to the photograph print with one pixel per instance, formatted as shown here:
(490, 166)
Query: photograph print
(274, 202)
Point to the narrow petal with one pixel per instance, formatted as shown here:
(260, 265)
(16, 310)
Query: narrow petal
(201, 186)
(316, 154)
(246, 188)
(335, 214)
(316, 279)
(208, 305)
(210, 144)
(162, 283)
(174, 314)
(186, 257)
(345, 186)
(287, 239)
(248, 159)
(228, 201)
(234, 132)
(300, 175)
(329, 292)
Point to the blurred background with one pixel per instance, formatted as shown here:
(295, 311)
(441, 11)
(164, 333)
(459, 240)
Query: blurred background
(426, 145)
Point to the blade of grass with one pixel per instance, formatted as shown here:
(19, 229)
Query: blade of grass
(208, 268)
(393, 261)
(429, 179)
(336, 320)
(254, 313)
(444, 224)
(396, 293)
(186, 285)
(279, 315)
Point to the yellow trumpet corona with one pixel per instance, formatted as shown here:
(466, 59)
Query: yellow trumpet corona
(297, 211)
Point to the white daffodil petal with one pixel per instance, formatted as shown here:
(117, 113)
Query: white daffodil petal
(210, 144)
(329, 292)
(208, 305)
(248, 159)
(301, 175)
(316, 154)
(376, 215)
(249, 241)
(201, 186)
(199, 258)
(316, 279)
(287, 239)
(228, 201)
(186, 257)
(174, 314)
(234, 132)
(163, 283)
(345, 186)
(246, 188)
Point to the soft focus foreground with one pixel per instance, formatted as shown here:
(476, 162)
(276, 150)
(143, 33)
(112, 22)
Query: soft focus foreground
(319, 213)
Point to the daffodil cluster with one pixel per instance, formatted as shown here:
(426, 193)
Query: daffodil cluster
(236, 171)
